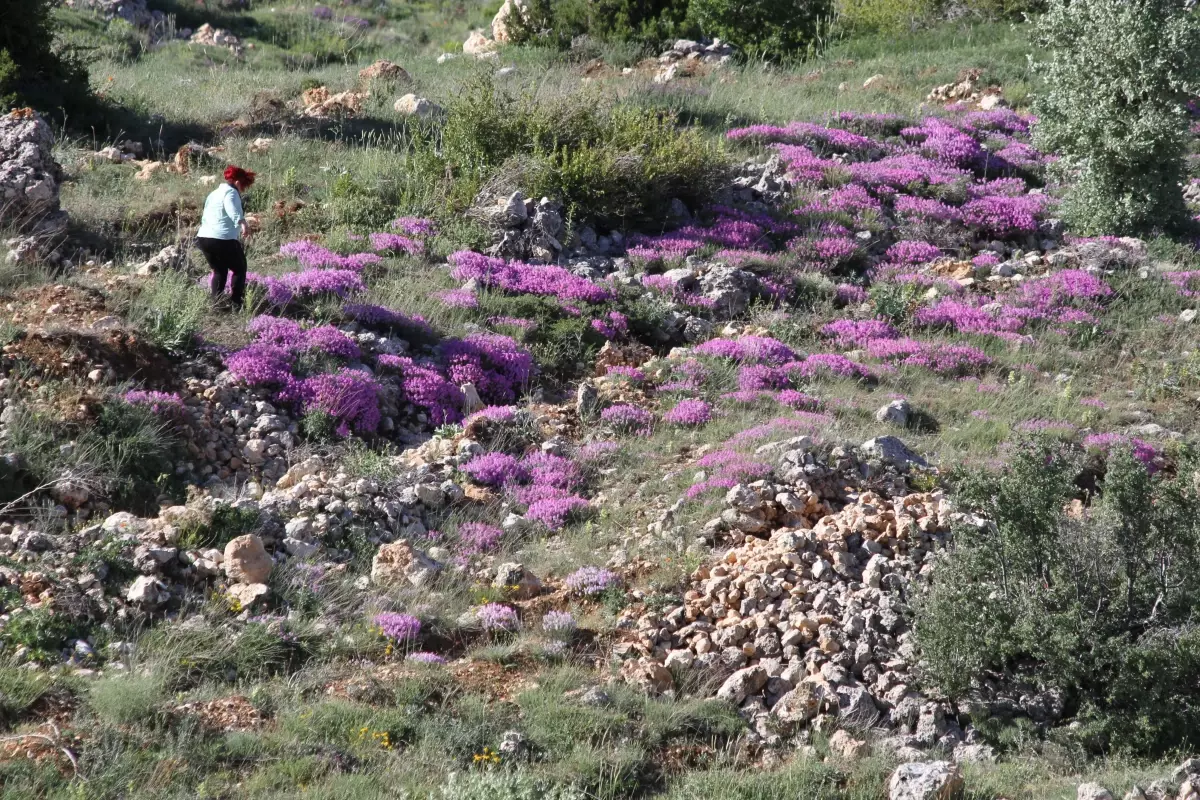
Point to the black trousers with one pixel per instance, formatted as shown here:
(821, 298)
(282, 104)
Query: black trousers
(225, 256)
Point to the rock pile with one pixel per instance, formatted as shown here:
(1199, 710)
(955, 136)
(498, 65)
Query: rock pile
(383, 70)
(967, 90)
(714, 52)
(801, 621)
(759, 184)
(523, 229)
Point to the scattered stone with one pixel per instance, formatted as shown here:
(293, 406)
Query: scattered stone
(384, 70)
(246, 560)
(891, 450)
(846, 747)
(478, 45)
(398, 562)
(147, 591)
(412, 106)
(247, 594)
(931, 780)
(1092, 791)
(895, 413)
(517, 582)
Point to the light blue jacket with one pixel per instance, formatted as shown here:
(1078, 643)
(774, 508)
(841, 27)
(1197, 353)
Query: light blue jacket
(222, 214)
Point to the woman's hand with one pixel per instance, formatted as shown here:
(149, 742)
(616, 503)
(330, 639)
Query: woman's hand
(245, 229)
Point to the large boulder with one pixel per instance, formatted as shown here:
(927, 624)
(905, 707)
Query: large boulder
(246, 560)
(29, 175)
(931, 780)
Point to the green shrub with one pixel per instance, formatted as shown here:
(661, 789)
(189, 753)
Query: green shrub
(885, 15)
(506, 786)
(619, 165)
(769, 27)
(1096, 606)
(558, 22)
(126, 451)
(31, 71)
(1117, 76)
(901, 15)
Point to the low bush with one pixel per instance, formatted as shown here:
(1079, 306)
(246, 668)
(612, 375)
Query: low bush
(618, 165)
(42, 632)
(127, 699)
(225, 524)
(885, 15)
(901, 15)
(559, 22)
(1099, 605)
(170, 310)
(771, 28)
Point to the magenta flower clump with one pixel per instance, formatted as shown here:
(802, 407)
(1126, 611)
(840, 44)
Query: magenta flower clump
(628, 418)
(398, 627)
(495, 469)
(497, 617)
(689, 413)
(588, 581)
(169, 403)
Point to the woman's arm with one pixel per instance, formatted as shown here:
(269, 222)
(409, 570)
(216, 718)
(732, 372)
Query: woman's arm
(233, 208)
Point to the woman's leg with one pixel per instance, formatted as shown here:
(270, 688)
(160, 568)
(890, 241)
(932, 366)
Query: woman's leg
(212, 249)
(237, 264)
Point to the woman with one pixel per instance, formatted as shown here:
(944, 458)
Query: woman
(220, 227)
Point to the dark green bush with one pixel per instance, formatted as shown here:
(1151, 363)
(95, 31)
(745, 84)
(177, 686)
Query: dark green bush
(42, 631)
(767, 27)
(32, 72)
(1100, 607)
(1117, 76)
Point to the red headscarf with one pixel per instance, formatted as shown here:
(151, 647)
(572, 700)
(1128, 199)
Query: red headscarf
(236, 174)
